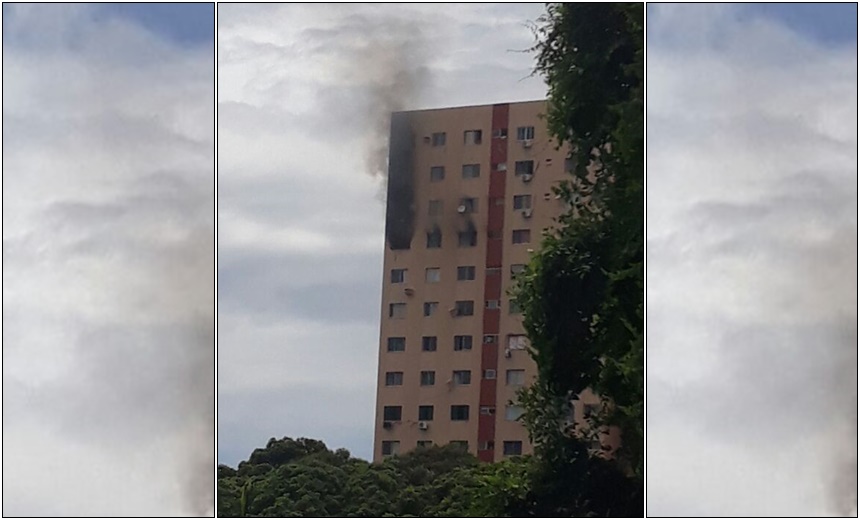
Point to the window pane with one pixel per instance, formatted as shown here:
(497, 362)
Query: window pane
(466, 272)
(397, 310)
(462, 342)
(471, 171)
(398, 275)
(515, 377)
(460, 412)
(521, 236)
(512, 413)
(434, 208)
(431, 275)
(524, 167)
(396, 344)
(434, 239)
(393, 378)
(512, 447)
(392, 413)
(425, 413)
(462, 377)
(439, 139)
(428, 343)
(430, 308)
(437, 173)
(428, 378)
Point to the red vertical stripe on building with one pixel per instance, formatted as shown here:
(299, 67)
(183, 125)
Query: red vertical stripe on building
(493, 281)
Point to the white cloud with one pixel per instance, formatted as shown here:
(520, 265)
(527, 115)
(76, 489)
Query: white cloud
(108, 246)
(752, 201)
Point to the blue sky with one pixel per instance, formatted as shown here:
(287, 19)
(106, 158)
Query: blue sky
(187, 24)
(831, 23)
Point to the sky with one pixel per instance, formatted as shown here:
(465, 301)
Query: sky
(108, 260)
(305, 93)
(751, 260)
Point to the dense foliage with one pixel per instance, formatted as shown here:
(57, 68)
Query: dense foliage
(583, 292)
(303, 477)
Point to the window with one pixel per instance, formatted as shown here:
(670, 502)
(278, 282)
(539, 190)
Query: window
(514, 307)
(462, 343)
(522, 236)
(464, 308)
(486, 445)
(425, 413)
(472, 137)
(489, 373)
(428, 378)
(518, 342)
(468, 205)
(500, 133)
(471, 171)
(494, 234)
(465, 273)
(396, 344)
(390, 448)
(488, 410)
(516, 377)
(437, 173)
(522, 201)
(434, 239)
(501, 167)
(467, 238)
(494, 271)
(397, 310)
(430, 308)
(393, 378)
(434, 208)
(428, 343)
(460, 412)
(513, 413)
(525, 132)
(431, 274)
(492, 304)
(489, 339)
(398, 275)
(569, 164)
(438, 139)
(512, 447)
(463, 445)
(392, 413)
(425, 444)
(517, 269)
(524, 168)
(462, 377)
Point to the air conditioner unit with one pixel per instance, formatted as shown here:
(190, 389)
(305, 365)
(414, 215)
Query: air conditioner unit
(387, 425)
(527, 143)
(461, 208)
(426, 138)
(527, 213)
(453, 311)
(409, 291)
(507, 352)
(423, 425)
(527, 177)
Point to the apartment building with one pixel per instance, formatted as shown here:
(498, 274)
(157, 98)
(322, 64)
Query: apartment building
(469, 193)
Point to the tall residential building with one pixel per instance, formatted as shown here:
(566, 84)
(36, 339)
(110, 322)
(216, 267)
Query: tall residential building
(469, 194)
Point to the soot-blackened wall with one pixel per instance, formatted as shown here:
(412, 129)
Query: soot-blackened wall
(400, 211)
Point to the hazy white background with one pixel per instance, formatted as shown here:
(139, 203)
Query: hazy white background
(304, 97)
(752, 264)
(108, 266)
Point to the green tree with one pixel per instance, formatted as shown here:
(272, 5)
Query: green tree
(582, 294)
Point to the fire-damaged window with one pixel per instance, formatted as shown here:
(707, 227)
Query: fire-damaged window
(437, 173)
(471, 171)
(397, 310)
(438, 138)
(524, 168)
(434, 239)
(434, 208)
(467, 238)
(462, 343)
(525, 132)
(472, 137)
(464, 308)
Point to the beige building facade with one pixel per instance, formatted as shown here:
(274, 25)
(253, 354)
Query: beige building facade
(469, 194)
